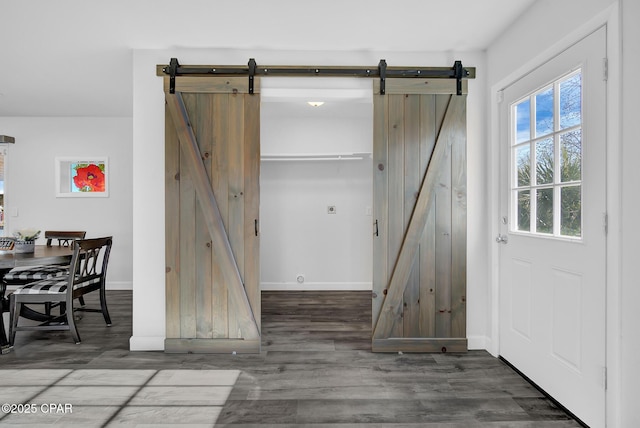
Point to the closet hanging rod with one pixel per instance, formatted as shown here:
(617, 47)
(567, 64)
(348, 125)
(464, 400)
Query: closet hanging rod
(315, 157)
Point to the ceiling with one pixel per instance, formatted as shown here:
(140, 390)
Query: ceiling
(74, 57)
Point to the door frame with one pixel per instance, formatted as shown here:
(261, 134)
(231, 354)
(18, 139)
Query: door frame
(611, 20)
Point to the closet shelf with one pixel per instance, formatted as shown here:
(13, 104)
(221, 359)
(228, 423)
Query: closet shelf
(315, 157)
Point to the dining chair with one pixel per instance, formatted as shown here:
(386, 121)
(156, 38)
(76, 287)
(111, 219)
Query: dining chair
(26, 274)
(89, 270)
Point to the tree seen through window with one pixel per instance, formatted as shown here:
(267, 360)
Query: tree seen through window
(547, 144)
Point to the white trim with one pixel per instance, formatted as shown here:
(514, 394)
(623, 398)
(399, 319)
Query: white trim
(614, 219)
(149, 343)
(119, 285)
(477, 343)
(6, 206)
(316, 286)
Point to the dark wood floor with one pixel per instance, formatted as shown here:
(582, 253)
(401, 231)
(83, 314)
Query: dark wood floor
(316, 369)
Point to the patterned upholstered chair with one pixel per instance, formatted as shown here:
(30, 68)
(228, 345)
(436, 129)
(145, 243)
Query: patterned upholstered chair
(89, 264)
(25, 274)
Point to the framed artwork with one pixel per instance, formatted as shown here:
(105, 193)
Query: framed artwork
(80, 177)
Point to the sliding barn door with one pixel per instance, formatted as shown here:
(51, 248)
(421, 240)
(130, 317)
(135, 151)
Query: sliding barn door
(419, 279)
(212, 203)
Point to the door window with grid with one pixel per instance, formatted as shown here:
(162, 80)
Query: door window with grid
(546, 177)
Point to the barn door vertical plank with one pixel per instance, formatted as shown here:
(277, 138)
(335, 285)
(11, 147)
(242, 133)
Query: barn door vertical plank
(428, 242)
(411, 312)
(396, 189)
(236, 195)
(220, 185)
(391, 309)
(380, 203)
(459, 231)
(172, 227)
(252, 203)
(201, 122)
(188, 206)
(443, 234)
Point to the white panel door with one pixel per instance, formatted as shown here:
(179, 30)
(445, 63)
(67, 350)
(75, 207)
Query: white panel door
(553, 231)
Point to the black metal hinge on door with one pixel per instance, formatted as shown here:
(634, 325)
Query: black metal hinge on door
(252, 74)
(458, 72)
(382, 71)
(173, 70)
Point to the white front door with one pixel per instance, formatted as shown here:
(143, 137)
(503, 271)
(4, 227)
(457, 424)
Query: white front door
(553, 227)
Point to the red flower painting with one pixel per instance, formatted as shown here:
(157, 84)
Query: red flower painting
(89, 178)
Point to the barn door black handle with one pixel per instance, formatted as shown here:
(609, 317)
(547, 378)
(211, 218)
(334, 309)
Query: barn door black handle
(376, 224)
(255, 226)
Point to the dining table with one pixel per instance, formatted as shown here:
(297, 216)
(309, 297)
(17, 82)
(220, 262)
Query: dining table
(42, 255)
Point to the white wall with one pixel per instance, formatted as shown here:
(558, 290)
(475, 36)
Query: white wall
(30, 183)
(522, 48)
(148, 131)
(298, 235)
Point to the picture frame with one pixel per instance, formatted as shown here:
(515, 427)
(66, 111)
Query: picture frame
(82, 177)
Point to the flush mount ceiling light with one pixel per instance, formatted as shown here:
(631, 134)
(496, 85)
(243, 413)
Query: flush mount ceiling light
(315, 103)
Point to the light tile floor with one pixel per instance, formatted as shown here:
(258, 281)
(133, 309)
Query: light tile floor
(113, 398)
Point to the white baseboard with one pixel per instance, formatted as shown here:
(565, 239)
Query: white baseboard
(475, 343)
(119, 285)
(141, 343)
(316, 286)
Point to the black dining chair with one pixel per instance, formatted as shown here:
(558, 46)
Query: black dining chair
(88, 273)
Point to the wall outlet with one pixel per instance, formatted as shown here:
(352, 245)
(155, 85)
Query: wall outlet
(331, 209)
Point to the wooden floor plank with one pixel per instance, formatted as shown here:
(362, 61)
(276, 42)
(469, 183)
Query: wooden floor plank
(315, 367)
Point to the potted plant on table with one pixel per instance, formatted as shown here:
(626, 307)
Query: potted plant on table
(25, 240)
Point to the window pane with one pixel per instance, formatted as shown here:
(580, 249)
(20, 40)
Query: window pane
(523, 121)
(544, 161)
(571, 156)
(524, 210)
(571, 211)
(544, 215)
(523, 164)
(544, 112)
(571, 101)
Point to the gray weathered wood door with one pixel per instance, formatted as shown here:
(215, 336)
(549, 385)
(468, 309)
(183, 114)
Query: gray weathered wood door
(419, 278)
(212, 159)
